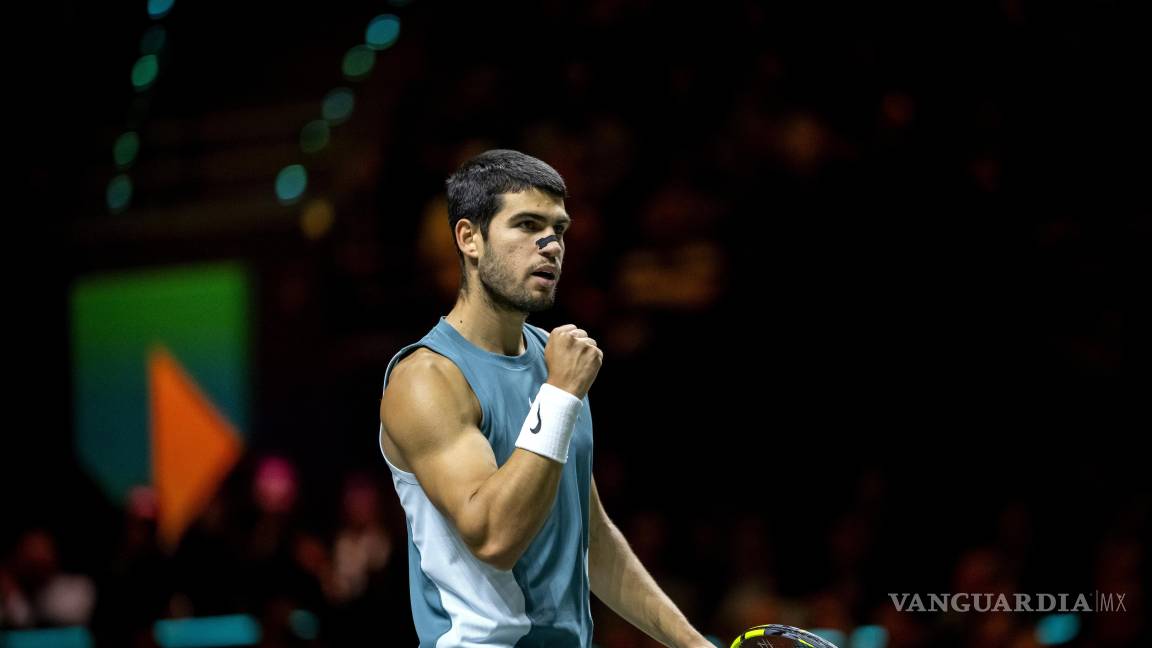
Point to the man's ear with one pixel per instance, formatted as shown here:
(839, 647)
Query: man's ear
(468, 238)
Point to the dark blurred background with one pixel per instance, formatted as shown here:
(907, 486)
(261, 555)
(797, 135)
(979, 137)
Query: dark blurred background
(867, 279)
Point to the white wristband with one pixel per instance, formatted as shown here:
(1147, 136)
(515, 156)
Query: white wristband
(551, 420)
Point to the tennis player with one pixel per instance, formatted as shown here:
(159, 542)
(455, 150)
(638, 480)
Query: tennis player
(487, 431)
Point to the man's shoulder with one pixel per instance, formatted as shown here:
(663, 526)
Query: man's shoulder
(423, 364)
(425, 378)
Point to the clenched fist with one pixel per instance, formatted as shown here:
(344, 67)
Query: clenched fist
(573, 360)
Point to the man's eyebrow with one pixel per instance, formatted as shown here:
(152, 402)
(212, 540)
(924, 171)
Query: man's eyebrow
(563, 220)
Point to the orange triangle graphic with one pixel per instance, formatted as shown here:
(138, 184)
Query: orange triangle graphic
(193, 445)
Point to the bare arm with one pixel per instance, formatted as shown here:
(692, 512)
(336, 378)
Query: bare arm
(432, 417)
(619, 580)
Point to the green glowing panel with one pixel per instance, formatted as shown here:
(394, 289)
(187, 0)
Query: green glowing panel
(198, 314)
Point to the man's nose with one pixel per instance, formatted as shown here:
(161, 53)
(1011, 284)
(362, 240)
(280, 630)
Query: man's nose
(549, 245)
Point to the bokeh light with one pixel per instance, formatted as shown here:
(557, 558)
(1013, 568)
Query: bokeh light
(157, 9)
(382, 32)
(358, 62)
(314, 136)
(153, 39)
(338, 105)
(125, 149)
(291, 183)
(145, 71)
(317, 217)
(119, 194)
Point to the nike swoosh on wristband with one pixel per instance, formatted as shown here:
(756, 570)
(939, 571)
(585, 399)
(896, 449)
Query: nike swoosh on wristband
(538, 423)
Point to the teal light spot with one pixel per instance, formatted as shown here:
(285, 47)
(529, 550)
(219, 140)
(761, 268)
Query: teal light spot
(338, 106)
(829, 634)
(1056, 629)
(202, 632)
(304, 624)
(71, 637)
(119, 194)
(382, 32)
(157, 9)
(869, 636)
(153, 40)
(358, 62)
(314, 136)
(145, 71)
(125, 149)
(291, 183)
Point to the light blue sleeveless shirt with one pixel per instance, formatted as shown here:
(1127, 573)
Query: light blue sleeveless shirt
(460, 601)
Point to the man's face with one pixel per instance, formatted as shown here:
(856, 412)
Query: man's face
(511, 256)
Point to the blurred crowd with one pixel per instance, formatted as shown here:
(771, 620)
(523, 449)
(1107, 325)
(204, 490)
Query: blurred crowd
(334, 573)
(253, 551)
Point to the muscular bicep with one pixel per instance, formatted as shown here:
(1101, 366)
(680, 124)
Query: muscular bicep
(431, 415)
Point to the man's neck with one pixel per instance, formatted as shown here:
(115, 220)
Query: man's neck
(494, 331)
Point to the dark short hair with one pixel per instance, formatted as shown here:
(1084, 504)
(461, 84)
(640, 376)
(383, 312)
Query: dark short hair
(474, 189)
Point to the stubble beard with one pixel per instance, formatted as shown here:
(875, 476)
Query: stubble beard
(501, 290)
